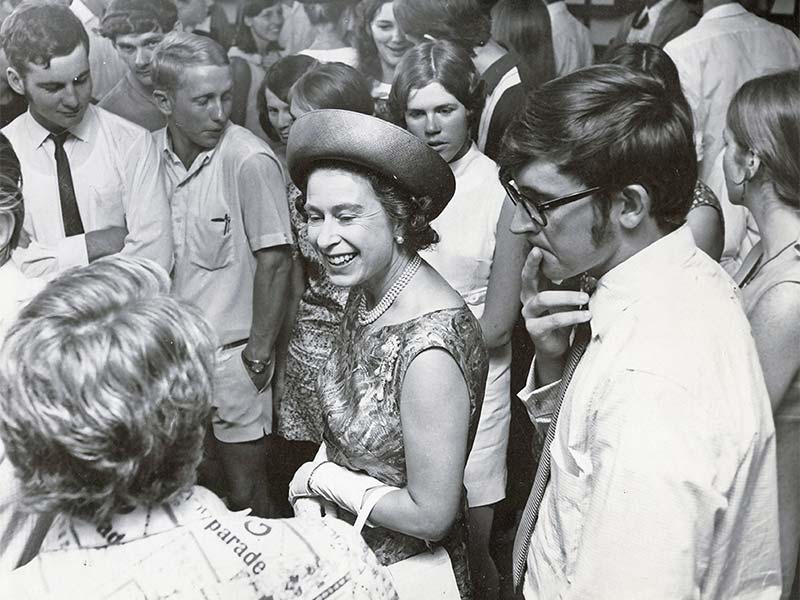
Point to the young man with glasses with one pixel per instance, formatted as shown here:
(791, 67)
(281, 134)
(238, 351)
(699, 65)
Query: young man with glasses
(657, 479)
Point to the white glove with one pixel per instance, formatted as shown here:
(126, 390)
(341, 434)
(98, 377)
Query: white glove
(314, 508)
(334, 483)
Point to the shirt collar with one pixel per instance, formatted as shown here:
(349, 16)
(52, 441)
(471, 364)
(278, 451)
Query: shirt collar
(71, 533)
(164, 144)
(557, 8)
(82, 131)
(643, 275)
(731, 9)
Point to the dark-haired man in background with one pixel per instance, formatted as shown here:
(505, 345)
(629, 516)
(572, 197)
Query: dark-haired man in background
(135, 27)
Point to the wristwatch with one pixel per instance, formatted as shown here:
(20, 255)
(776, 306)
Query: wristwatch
(255, 366)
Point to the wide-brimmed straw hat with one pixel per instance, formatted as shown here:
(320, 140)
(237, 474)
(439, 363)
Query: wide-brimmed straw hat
(371, 143)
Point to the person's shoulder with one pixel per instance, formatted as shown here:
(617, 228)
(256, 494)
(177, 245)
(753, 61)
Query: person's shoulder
(15, 129)
(241, 141)
(126, 134)
(778, 302)
(239, 146)
(113, 96)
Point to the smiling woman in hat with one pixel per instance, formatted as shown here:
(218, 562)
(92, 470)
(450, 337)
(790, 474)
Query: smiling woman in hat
(402, 390)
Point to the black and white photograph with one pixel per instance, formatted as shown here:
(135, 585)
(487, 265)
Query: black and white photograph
(400, 299)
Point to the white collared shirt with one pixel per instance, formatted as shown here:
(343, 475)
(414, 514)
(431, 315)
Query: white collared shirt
(726, 48)
(230, 203)
(644, 34)
(115, 174)
(572, 42)
(663, 479)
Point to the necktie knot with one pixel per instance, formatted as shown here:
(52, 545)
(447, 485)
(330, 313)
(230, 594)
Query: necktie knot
(59, 139)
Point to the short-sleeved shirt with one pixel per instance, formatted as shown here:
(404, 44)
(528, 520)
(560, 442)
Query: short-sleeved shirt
(115, 173)
(129, 102)
(230, 203)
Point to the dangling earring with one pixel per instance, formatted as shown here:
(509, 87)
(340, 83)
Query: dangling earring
(399, 239)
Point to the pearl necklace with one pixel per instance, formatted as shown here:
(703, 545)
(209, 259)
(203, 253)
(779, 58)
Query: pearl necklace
(366, 317)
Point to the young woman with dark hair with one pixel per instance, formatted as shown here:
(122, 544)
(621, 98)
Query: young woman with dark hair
(438, 96)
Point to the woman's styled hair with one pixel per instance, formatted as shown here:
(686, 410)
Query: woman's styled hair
(463, 22)
(523, 27)
(764, 116)
(105, 385)
(333, 85)
(180, 50)
(405, 211)
(369, 62)
(610, 126)
(36, 32)
(133, 17)
(442, 62)
(10, 192)
(244, 37)
(326, 12)
(650, 60)
(280, 78)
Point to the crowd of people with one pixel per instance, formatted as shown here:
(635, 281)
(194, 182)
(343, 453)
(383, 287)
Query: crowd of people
(270, 270)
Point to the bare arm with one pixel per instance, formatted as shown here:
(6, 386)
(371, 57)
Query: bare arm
(266, 219)
(775, 321)
(502, 295)
(270, 286)
(434, 411)
(297, 285)
(104, 242)
(704, 221)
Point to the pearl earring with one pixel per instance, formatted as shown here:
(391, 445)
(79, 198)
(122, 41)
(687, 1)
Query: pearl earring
(399, 239)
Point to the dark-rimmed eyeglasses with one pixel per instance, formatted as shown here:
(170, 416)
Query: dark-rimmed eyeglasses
(536, 210)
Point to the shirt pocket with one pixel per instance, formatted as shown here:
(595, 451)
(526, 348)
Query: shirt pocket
(569, 502)
(105, 205)
(210, 235)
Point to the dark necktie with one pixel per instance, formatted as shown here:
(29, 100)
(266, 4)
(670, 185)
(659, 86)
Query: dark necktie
(522, 541)
(66, 191)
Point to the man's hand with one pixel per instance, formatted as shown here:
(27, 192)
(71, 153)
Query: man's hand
(105, 242)
(549, 317)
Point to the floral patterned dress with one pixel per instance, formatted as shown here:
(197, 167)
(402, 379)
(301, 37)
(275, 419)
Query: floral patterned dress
(360, 389)
(315, 329)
